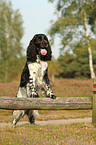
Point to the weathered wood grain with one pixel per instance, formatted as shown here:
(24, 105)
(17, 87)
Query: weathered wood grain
(60, 103)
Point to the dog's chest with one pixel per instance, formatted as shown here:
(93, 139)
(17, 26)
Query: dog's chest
(37, 70)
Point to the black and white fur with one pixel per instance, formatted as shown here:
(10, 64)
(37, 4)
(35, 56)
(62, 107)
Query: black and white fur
(34, 76)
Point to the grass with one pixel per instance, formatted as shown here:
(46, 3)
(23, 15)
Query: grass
(61, 87)
(72, 88)
(72, 134)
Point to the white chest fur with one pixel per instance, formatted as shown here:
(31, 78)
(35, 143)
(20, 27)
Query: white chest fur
(37, 70)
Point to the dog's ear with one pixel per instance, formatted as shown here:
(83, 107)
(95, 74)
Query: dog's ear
(31, 51)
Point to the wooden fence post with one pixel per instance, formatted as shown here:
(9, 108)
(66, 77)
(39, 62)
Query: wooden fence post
(94, 103)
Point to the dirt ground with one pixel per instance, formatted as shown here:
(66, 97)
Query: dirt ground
(44, 123)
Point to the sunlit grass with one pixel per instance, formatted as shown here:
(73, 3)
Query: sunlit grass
(61, 87)
(74, 134)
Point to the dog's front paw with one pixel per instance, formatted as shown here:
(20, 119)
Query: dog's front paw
(34, 95)
(52, 96)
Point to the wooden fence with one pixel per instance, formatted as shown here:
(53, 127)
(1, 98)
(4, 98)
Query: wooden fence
(60, 103)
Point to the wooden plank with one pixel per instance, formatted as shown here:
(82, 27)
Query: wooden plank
(60, 103)
(94, 103)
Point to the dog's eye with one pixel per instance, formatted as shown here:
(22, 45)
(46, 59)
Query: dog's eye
(45, 38)
(39, 38)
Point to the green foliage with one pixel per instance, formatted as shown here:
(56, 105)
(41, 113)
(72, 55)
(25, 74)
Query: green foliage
(76, 64)
(70, 21)
(54, 67)
(92, 17)
(68, 65)
(15, 66)
(70, 27)
(11, 33)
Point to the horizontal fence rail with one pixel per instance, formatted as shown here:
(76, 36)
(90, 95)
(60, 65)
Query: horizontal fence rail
(60, 103)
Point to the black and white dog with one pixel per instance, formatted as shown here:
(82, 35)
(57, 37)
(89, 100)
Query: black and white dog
(35, 75)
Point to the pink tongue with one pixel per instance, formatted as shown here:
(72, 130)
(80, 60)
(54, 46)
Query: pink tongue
(43, 51)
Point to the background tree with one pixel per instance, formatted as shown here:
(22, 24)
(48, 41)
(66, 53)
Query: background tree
(11, 32)
(54, 69)
(72, 25)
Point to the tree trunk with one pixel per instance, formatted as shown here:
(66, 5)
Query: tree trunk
(7, 41)
(53, 79)
(89, 48)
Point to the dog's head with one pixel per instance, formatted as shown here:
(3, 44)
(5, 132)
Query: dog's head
(40, 46)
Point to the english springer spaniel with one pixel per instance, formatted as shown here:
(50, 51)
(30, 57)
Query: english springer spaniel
(35, 75)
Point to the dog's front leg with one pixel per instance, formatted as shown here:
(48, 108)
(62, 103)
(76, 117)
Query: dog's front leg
(46, 88)
(47, 92)
(31, 86)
